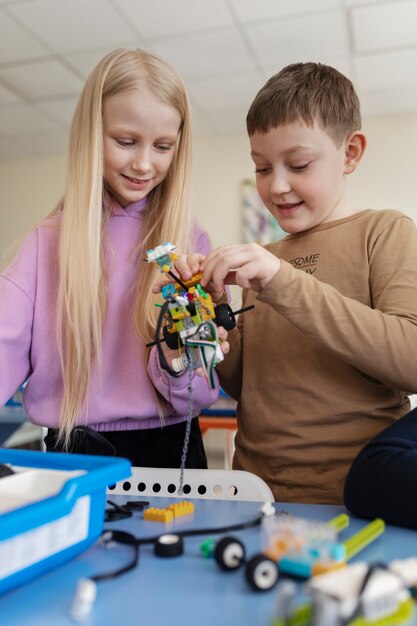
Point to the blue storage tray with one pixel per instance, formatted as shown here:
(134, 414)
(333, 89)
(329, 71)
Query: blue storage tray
(52, 511)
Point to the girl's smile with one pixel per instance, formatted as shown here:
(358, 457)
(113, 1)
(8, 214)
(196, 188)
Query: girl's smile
(140, 135)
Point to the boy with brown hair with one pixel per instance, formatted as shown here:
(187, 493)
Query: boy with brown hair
(326, 359)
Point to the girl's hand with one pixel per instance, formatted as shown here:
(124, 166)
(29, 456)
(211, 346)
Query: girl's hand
(170, 355)
(224, 346)
(248, 265)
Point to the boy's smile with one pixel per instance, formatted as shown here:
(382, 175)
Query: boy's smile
(300, 175)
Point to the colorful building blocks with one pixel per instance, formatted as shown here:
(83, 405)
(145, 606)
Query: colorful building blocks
(297, 547)
(357, 595)
(189, 318)
(164, 255)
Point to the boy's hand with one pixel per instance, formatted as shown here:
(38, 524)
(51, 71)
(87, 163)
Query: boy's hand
(248, 265)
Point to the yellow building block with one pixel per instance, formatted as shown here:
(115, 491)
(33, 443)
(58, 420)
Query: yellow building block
(181, 508)
(153, 514)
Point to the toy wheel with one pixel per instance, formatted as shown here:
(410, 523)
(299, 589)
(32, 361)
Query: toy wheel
(225, 316)
(261, 573)
(229, 553)
(169, 545)
(172, 340)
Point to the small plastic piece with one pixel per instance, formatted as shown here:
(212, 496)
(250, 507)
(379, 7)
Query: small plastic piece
(153, 514)
(85, 596)
(287, 591)
(172, 340)
(169, 545)
(180, 363)
(207, 548)
(229, 553)
(166, 515)
(267, 509)
(181, 508)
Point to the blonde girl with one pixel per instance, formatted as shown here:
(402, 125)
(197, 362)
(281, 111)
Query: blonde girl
(76, 305)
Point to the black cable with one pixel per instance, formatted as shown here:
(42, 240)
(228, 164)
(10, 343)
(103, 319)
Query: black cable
(116, 513)
(157, 342)
(178, 280)
(117, 537)
(129, 538)
(162, 359)
(125, 538)
(124, 511)
(245, 308)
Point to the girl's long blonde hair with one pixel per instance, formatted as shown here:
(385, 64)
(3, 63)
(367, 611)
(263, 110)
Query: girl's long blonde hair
(81, 302)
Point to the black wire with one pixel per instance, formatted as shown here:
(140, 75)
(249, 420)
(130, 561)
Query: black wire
(124, 511)
(125, 538)
(162, 359)
(157, 342)
(178, 280)
(126, 568)
(129, 538)
(118, 512)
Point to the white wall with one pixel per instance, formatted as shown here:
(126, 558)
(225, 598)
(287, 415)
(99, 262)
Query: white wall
(387, 175)
(30, 188)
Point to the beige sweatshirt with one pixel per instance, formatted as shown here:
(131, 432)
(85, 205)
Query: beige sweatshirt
(327, 357)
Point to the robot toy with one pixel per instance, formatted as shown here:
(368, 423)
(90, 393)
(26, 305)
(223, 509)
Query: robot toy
(189, 319)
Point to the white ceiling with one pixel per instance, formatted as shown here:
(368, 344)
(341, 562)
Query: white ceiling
(224, 50)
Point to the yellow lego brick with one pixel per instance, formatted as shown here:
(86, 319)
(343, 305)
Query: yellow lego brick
(153, 514)
(181, 508)
(191, 282)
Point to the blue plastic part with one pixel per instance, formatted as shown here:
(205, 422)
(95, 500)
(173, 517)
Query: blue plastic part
(338, 552)
(168, 289)
(302, 568)
(101, 471)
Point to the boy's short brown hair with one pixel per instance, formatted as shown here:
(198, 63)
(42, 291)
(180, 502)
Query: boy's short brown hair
(307, 92)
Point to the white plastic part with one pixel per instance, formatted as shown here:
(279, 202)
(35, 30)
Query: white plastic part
(198, 484)
(180, 363)
(285, 595)
(406, 569)
(233, 555)
(85, 596)
(383, 594)
(29, 485)
(267, 509)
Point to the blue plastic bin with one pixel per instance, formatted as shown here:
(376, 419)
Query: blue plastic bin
(65, 516)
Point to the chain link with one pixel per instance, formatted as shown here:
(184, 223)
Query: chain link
(189, 418)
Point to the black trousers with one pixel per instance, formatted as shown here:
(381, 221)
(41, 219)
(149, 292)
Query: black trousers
(382, 481)
(153, 447)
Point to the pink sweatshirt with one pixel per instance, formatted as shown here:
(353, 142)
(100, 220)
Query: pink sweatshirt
(122, 398)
